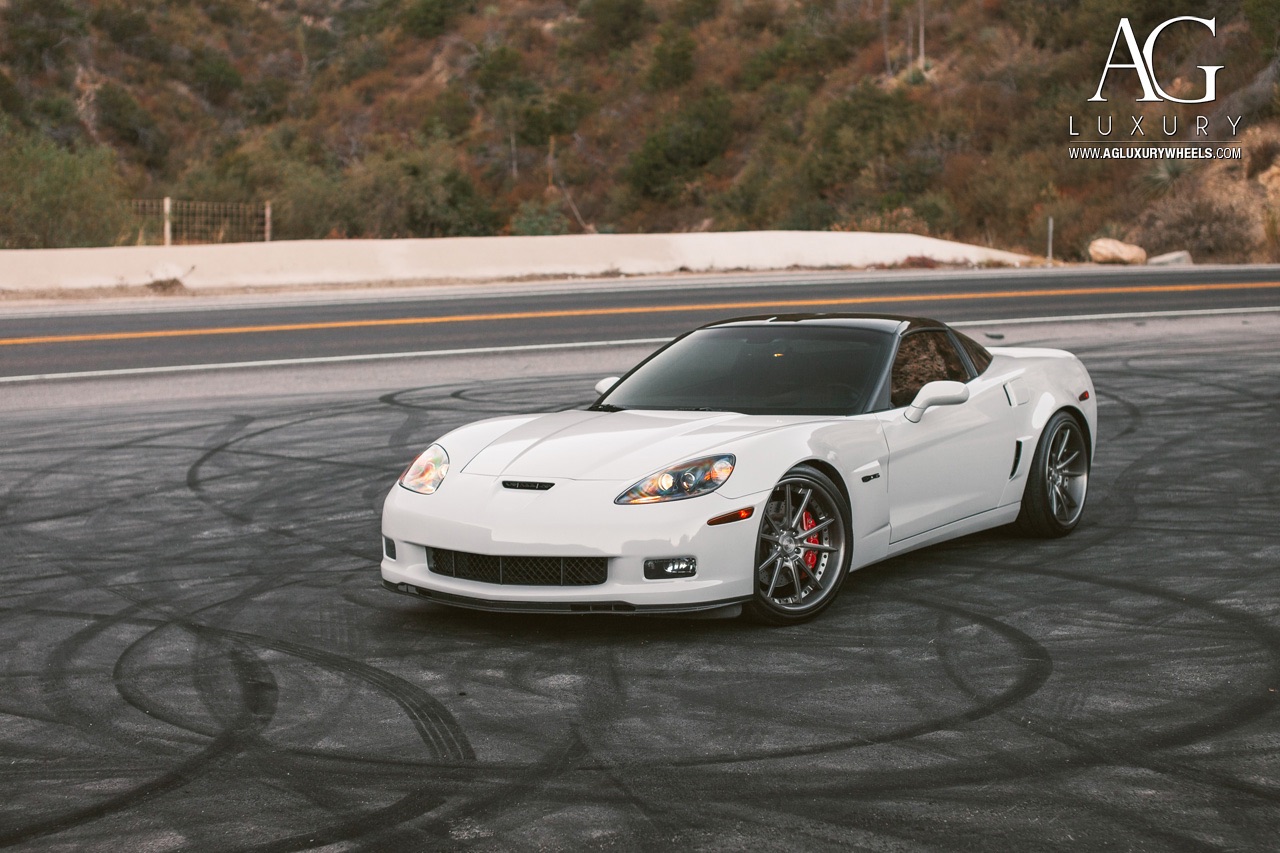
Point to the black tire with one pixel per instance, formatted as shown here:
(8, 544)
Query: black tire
(796, 577)
(1058, 482)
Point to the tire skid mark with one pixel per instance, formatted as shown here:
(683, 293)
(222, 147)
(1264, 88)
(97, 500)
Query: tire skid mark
(436, 725)
(226, 743)
(1093, 752)
(434, 801)
(1026, 684)
(197, 483)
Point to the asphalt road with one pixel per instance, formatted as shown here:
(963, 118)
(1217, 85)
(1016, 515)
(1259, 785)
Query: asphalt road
(197, 653)
(214, 331)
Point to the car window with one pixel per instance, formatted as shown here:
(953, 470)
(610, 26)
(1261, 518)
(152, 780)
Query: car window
(924, 357)
(782, 369)
(977, 352)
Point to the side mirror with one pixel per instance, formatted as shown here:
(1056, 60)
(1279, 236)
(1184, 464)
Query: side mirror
(941, 393)
(605, 384)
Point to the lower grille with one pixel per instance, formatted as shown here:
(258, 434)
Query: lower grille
(520, 571)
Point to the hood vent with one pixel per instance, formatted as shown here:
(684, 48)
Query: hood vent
(527, 485)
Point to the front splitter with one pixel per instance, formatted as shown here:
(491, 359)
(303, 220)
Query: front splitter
(575, 607)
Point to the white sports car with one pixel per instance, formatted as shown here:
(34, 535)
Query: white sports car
(750, 463)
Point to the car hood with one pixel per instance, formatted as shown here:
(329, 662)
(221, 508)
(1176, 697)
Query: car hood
(627, 445)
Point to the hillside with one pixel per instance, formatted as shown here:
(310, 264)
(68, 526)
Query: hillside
(443, 117)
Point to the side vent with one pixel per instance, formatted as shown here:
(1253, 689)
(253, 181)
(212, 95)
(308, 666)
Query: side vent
(1017, 458)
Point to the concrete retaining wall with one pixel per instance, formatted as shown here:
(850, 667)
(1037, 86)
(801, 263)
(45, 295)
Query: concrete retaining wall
(319, 262)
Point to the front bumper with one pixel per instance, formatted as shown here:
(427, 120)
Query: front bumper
(476, 514)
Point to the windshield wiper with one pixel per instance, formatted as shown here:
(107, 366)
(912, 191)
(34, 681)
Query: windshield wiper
(607, 407)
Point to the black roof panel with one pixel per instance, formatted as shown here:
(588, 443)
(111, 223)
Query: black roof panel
(892, 323)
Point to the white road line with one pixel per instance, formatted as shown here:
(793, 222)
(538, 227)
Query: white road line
(1129, 315)
(384, 356)
(329, 359)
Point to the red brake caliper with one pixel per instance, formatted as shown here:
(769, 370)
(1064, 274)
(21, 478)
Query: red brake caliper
(808, 522)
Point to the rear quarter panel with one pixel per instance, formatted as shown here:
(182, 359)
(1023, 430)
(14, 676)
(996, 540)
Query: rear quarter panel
(1041, 382)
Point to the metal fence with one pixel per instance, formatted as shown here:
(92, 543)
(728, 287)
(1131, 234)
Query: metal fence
(170, 221)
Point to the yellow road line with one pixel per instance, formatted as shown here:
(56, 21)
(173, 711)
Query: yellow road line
(641, 309)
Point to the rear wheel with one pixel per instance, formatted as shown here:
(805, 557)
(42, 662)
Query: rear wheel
(802, 549)
(1058, 481)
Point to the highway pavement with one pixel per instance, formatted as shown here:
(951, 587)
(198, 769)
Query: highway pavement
(211, 330)
(196, 652)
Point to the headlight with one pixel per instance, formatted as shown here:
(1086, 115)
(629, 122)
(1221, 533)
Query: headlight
(427, 472)
(687, 480)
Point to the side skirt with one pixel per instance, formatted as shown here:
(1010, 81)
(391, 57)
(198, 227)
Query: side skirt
(982, 521)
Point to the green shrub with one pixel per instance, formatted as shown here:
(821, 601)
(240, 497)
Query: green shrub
(1264, 19)
(121, 24)
(672, 59)
(222, 13)
(311, 203)
(364, 56)
(417, 193)
(131, 30)
(857, 131)
(1210, 229)
(763, 65)
(758, 15)
(38, 34)
(452, 112)
(548, 116)
(812, 45)
(58, 119)
(499, 71)
(806, 214)
(537, 218)
(613, 24)
(320, 46)
(54, 198)
(267, 100)
(693, 12)
(426, 19)
(214, 77)
(11, 100)
(675, 152)
(127, 122)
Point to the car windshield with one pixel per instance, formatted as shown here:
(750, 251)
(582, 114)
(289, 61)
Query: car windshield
(760, 370)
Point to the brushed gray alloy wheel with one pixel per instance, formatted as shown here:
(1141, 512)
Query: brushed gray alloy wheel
(1058, 482)
(803, 549)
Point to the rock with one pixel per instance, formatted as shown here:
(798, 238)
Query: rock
(1108, 251)
(1171, 259)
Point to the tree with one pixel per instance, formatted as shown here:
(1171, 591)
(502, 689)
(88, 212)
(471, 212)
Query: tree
(675, 152)
(54, 198)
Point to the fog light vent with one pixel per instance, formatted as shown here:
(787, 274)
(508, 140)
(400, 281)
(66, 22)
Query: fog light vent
(389, 547)
(670, 567)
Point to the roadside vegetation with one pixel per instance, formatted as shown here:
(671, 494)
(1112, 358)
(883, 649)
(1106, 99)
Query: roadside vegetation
(397, 118)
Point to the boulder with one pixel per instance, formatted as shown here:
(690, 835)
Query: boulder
(1109, 251)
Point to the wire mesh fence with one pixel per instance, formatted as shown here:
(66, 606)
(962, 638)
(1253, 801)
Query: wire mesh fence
(166, 221)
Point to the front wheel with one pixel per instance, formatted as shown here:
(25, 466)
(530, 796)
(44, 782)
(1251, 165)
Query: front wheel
(1058, 481)
(802, 549)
